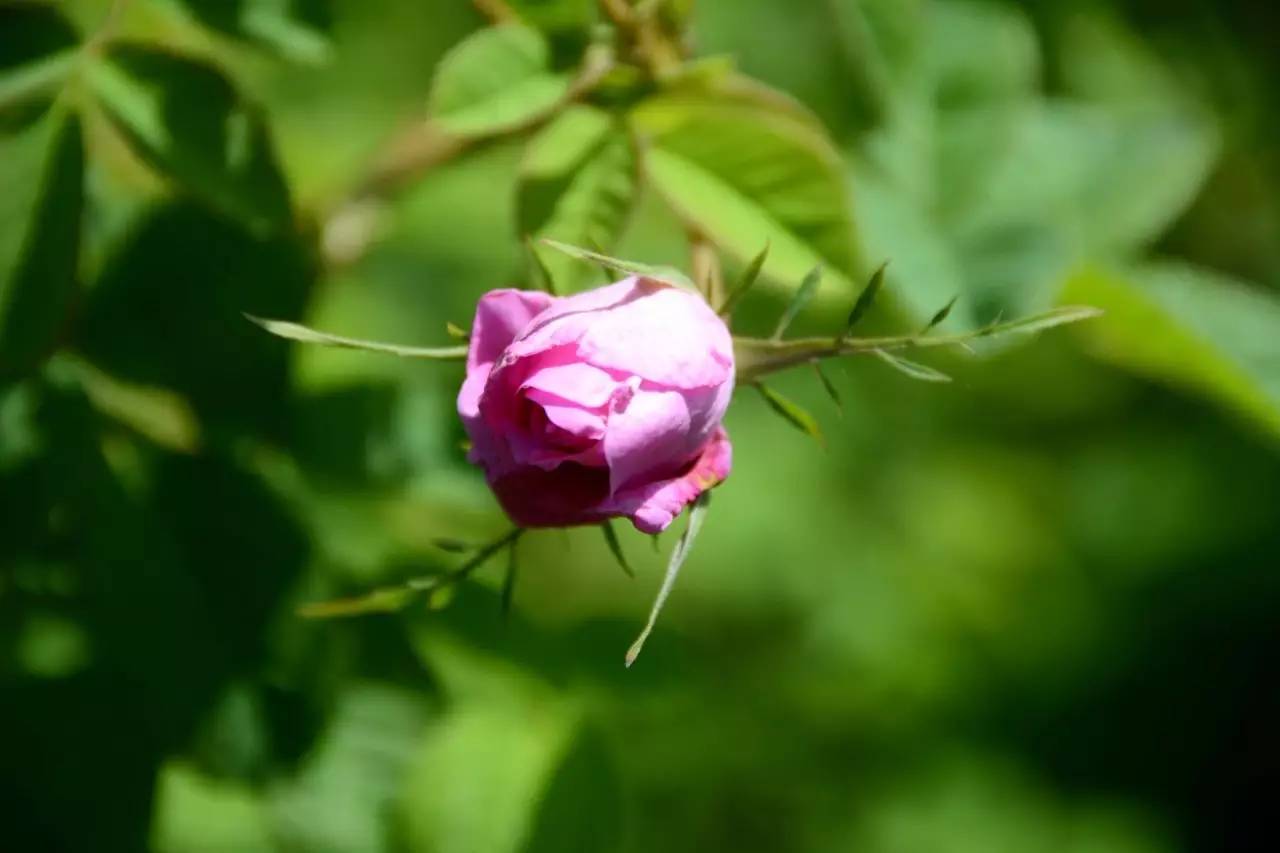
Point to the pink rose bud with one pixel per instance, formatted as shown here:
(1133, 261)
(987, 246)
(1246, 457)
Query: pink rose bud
(601, 404)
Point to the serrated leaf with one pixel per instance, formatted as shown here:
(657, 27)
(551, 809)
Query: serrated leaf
(915, 370)
(296, 332)
(697, 513)
(496, 80)
(38, 50)
(744, 283)
(1191, 328)
(792, 413)
(42, 171)
(509, 582)
(828, 386)
(295, 29)
(577, 184)
(670, 275)
(611, 537)
(746, 166)
(387, 600)
(799, 299)
(941, 316)
(865, 299)
(187, 120)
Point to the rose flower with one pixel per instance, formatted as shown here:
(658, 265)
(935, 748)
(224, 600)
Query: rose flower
(602, 404)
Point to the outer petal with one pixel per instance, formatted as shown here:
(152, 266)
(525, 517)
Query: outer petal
(501, 315)
(667, 336)
(567, 495)
(587, 386)
(654, 506)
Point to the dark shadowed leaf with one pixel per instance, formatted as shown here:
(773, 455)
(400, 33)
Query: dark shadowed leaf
(509, 581)
(498, 79)
(295, 29)
(697, 514)
(38, 49)
(41, 170)
(792, 413)
(187, 120)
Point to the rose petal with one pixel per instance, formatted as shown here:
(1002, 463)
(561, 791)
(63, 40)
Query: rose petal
(649, 436)
(653, 506)
(589, 387)
(501, 315)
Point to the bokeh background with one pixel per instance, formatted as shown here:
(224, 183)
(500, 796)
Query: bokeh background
(1032, 610)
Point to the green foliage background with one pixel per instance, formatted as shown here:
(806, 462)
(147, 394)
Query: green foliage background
(1032, 610)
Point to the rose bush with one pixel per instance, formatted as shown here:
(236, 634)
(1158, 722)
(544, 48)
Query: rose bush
(602, 404)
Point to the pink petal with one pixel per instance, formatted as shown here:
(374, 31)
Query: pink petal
(575, 421)
(648, 437)
(501, 315)
(589, 387)
(653, 506)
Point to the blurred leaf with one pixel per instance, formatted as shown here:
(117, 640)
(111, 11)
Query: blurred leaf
(557, 15)
(509, 582)
(496, 80)
(296, 332)
(611, 537)
(670, 275)
(162, 416)
(388, 600)
(913, 369)
(1192, 328)
(296, 29)
(187, 120)
(792, 413)
(198, 342)
(42, 171)
(197, 814)
(747, 167)
(697, 513)
(38, 49)
(799, 299)
(941, 316)
(578, 182)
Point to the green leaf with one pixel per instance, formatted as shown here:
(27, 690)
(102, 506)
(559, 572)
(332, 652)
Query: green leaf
(295, 332)
(186, 119)
(941, 316)
(42, 171)
(697, 513)
(1190, 328)
(38, 50)
(295, 29)
(498, 79)
(578, 183)
(611, 537)
(746, 166)
(801, 298)
(792, 413)
(388, 600)
(913, 369)
(828, 386)
(509, 582)
(744, 283)
(865, 299)
(670, 275)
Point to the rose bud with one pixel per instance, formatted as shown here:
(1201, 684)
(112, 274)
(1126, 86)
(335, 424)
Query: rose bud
(602, 404)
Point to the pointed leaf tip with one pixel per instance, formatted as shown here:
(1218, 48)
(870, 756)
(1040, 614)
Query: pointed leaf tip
(792, 413)
(865, 300)
(611, 537)
(915, 370)
(803, 295)
(697, 514)
(302, 334)
(745, 282)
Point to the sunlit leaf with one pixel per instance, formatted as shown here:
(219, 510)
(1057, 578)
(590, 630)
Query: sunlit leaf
(302, 334)
(496, 80)
(697, 513)
(746, 167)
(42, 170)
(187, 120)
(911, 368)
(792, 413)
(803, 295)
(578, 182)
